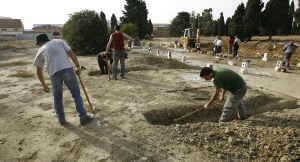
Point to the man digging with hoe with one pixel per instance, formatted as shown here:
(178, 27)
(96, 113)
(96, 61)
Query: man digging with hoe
(227, 80)
(56, 53)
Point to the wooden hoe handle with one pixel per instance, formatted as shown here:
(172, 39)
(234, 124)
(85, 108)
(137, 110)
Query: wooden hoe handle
(86, 95)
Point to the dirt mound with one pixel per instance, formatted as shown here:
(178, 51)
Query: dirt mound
(269, 142)
(256, 50)
(159, 62)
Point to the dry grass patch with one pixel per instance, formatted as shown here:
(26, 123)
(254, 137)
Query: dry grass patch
(19, 44)
(296, 38)
(15, 63)
(22, 74)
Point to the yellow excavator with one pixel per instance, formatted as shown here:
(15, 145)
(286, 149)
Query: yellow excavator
(190, 39)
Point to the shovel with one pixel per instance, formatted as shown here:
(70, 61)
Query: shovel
(191, 113)
(91, 107)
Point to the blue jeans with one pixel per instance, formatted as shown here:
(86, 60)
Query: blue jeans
(118, 55)
(69, 77)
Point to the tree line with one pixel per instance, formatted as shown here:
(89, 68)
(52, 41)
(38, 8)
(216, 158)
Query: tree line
(87, 31)
(279, 17)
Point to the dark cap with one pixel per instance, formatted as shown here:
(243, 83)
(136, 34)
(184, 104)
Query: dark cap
(41, 38)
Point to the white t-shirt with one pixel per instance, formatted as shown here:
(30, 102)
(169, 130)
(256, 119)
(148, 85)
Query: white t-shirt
(55, 54)
(219, 43)
(237, 40)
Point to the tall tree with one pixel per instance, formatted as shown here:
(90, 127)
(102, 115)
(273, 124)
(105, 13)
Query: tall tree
(150, 27)
(291, 17)
(136, 12)
(207, 22)
(85, 32)
(236, 26)
(130, 29)
(113, 22)
(179, 23)
(252, 18)
(215, 27)
(296, 24)
(103, 20)
(193, 20)
(276, 17)
(221, 25)
(227, 25)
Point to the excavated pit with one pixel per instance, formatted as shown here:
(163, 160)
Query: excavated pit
(255, 101)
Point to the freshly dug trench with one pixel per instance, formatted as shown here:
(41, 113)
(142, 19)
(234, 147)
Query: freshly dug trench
(255, 103)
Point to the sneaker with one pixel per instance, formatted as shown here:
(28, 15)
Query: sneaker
(86, 120)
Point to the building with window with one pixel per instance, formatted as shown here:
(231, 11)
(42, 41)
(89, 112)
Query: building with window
(11, 27)
(54, 29)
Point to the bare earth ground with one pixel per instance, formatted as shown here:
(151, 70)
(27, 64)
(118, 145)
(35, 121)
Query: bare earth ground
(134, 116)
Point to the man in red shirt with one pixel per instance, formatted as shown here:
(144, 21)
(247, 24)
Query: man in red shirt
(117, 40)
(230, 44)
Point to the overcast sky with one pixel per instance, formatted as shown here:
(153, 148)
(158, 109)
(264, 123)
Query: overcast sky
(160, 11)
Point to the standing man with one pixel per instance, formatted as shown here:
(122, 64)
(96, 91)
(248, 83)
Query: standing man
(288, 49)
(236, 46)
(227, 80)
(230, 44)
(56, 53)
(117, 40)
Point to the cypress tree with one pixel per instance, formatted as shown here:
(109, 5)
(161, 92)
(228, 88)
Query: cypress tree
(113, 22)
(252, 18)
(221, 25)
(236, 26)
(150, 27)
(103, 20)
(136, 12)
(276, 17)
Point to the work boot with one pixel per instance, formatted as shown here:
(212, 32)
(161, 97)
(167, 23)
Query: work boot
(122, 76)
(86, 120)
(63, 122)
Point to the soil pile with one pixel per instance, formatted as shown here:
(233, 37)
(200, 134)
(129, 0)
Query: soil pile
(256, 50)
(150, 62)
(256, 139)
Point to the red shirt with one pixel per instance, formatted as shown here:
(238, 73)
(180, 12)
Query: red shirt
(118, 41)
(231, 41)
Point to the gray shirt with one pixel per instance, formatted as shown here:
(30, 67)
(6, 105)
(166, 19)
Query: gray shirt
(289, 48)
(54, 53)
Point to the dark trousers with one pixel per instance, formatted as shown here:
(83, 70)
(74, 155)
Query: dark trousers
(235, 50)
(286, 61)
(102, 65)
